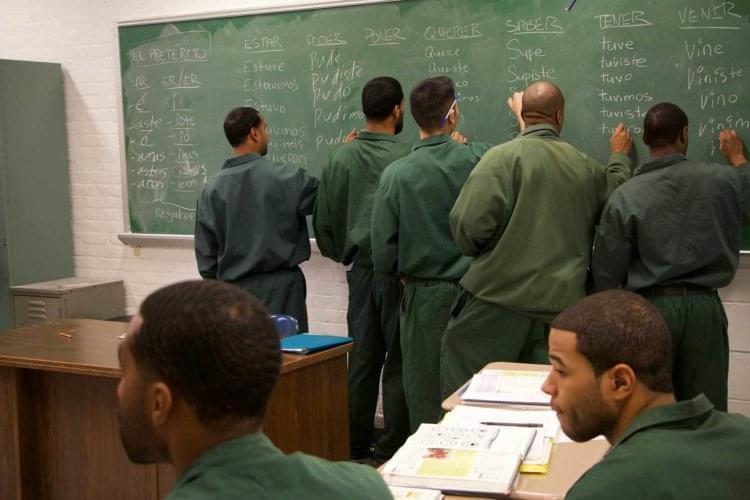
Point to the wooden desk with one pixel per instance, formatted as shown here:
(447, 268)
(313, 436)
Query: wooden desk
(59, 436)
(568, 461)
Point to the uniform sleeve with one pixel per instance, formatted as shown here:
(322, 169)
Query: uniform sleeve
(308, 189)
(613, 248)
(617, 171)
(330, 192)
(206, 241)
(483, 207)
(478, 149)
(385, 224)
(744, 171)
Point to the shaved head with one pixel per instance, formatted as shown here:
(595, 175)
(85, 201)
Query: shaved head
(541, 103)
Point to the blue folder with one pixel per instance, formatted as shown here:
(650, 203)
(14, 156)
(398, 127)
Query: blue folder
(306, 343)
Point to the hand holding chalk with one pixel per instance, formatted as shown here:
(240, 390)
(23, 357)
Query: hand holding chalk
(515, 103)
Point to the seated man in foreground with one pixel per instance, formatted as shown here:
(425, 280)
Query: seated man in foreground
(199, 363)
(611, 374)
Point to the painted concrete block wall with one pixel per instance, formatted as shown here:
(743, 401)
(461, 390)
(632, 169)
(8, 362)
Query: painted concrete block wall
(81, 34)
(736, 298)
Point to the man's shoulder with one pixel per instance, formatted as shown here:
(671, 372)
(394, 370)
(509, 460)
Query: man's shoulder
(400, 167)
(716, 171)
(342, 156)
(688, 173)
(732, 424)
(340, 479)
(672, 462)
(297, 475)
(504, 155)
(626, 472)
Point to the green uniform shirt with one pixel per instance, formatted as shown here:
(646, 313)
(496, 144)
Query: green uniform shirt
(410, 233)
(251, 218)
(343, 209)
(251, 467)
(676, 221)
(527, 212)
(682, 451)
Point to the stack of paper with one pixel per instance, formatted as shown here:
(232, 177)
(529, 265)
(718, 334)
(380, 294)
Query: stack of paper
(479, 459)
(538, 456)
(507, 387)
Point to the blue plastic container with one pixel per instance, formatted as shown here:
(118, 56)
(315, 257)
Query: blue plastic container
(286, 325)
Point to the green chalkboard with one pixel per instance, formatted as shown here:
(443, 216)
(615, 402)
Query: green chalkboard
(304, 71)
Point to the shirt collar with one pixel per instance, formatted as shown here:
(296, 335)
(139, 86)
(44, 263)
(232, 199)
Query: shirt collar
(433, 140)
(250, 447)
(679, 414)
(664, 161)
(541, 130)
(239, 160)
(366, 135)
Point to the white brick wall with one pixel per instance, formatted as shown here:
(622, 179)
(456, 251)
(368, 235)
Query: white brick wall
(736, 299)
(81, 34)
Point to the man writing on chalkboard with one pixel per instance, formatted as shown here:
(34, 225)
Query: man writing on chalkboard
(672, 234)
(343, 213)
(411, 237)
(250, 227)
(527, 214)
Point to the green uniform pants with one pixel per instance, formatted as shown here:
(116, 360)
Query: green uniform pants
(282, 291)
(700, 345)
(424, 315)
(479, 333)
(372, 319)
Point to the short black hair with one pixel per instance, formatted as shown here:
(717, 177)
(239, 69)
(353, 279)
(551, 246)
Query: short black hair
(431, 100)
(663, 124)
(379, 96)
(618, 326)
(238, 123)
(214, 344)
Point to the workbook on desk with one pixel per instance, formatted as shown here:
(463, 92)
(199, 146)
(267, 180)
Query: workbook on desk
(307, 343)
(402, 493)
(475, 460)
(545, 421)
(519, 387)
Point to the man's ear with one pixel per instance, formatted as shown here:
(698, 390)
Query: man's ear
(397, 111)
(254, 135)
(453, 116)
(559, 119)
(684, 135)
(620, 381)
(160, 404)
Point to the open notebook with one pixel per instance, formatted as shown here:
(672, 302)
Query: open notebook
(545, 421)
(507, 387)
(462, 460)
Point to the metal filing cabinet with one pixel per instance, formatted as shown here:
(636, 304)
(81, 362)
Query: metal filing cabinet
(36, 240)
(67, 298)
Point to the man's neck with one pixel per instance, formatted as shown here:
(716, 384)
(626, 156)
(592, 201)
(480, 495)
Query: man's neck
(188, 446)
(644, 401)
(663, 151)
(384, 127)
(244, 149)
(530, 122)
(424, 134)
